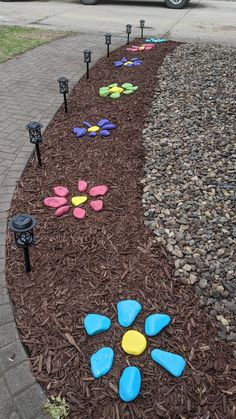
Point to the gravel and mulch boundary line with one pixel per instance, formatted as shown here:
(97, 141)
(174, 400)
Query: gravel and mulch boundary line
(89, 265)
(189, 184)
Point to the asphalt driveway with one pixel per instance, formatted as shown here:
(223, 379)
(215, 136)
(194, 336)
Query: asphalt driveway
(201, 21)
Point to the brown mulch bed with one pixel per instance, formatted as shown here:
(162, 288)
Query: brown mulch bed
(89, 265)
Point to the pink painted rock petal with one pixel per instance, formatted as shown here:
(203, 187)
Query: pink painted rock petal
(61, 191)
(62, 210)
(79, 213)
(82, 185)
(54, 201)
(98, 190)
(97, 205)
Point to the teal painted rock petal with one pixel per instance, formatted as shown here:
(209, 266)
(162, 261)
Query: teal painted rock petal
(173, 363)
(130, 384)
(101, 362)
(128, 311)
(96, 323)
(155, 323)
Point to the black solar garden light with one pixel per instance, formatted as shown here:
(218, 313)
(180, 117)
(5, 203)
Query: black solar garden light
(23, 227)
(64, 89)
(87, 59)
(128, 31)
(35, 136)
(142, 25)
(108, 43)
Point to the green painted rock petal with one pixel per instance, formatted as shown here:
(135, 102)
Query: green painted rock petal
(134, 88)
(104, 93)
(115, 95)
(127, 92)
(127, 85)
(112, 85)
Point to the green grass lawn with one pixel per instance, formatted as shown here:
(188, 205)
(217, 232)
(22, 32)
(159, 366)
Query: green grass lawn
(16, 39)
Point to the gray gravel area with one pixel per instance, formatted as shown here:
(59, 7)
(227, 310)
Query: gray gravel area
(190, 174)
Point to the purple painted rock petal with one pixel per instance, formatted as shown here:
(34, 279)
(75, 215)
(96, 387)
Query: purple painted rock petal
(61, 191)
(129, 65)
(102, 122)
(62, 210)
(118, 63)
(134, 59)
(54, 201)
(80, 132)
(92, 134)
(109, 126)
(79, 213)
(82, 185)
(124, 59)
(87, 124)
(98, 190)
(97, 205)
(104, 133)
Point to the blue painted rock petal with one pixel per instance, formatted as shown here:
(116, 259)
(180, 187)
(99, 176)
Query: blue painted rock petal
(96, 323)
(101, 361)
(130, 384)
(128, 311)
(87, 124)
(80, 132)
(104, 133)
(155, 323)
(103, 122)
(173, 363)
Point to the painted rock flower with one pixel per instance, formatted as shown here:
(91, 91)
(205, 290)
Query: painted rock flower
(155, 40)
(103, 127)
(133, 62)
(133, 343)
(114, 91)
(60, 199)
(143, 47)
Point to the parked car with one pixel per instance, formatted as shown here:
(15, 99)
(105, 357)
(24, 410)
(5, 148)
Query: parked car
(172, 4)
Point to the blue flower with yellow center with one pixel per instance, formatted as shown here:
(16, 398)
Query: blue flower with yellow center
(133, 343)
(103, 127)
(133, 62)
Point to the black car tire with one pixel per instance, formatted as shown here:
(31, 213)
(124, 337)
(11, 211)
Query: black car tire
(173, 5)
(89, 2)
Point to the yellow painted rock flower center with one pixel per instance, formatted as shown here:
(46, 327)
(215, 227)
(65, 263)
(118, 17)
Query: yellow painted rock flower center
(78, 200)
(93, 129)
(116, 90)
(133, 342)
(128, 62)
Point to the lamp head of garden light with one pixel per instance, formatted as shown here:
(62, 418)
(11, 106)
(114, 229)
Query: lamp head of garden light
(87, 56)
(35, 134)
(63, 85)
(108, 39)
(128, 28)
(142, 23)
(23, 227)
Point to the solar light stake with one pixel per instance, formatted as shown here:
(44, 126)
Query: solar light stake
(108, 43)
(142, 24)
(128, 31)
(35, 136)
(23, 225)
(87, 60)
(64, 89)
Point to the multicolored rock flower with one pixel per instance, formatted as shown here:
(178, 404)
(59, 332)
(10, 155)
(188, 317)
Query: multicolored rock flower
(60, 199)
(133, 62)
(133, 343)
(115, 91)
(103, 128)
(143, 47)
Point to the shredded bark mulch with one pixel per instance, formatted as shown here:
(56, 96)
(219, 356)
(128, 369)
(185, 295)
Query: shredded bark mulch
(83, 266)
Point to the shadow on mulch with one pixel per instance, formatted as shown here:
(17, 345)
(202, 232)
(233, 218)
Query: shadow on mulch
(89, 265)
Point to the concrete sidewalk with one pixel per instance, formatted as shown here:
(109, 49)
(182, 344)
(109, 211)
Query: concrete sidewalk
(29, 91)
